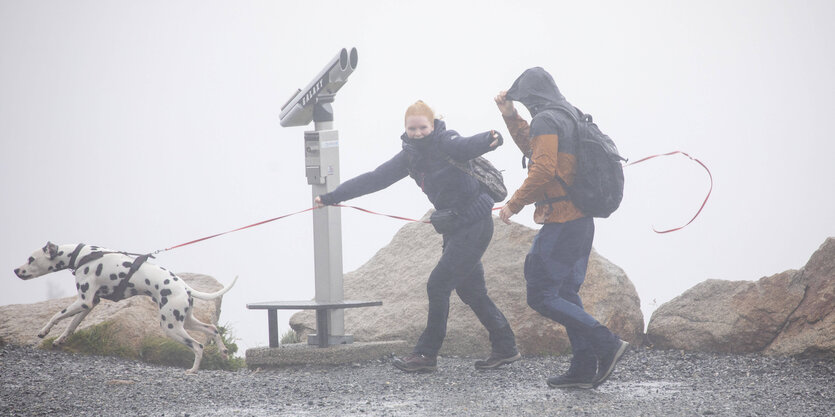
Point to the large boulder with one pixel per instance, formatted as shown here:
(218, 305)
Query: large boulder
(790, 313)
(129, 322)
(726, 316)
(810, 330)
(397, 275)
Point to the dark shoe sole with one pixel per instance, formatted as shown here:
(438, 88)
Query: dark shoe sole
(419, 369)
(510, 359)
(577, 385)
(602, 378)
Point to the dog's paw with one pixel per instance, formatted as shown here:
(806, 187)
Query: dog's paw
(41, 335)
(191, 372)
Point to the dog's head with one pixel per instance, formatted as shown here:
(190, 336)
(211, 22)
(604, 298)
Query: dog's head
(41, 262)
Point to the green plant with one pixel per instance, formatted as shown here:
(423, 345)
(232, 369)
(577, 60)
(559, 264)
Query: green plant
(102, 340)
(289, 337)
(165, 351)
(95, 340)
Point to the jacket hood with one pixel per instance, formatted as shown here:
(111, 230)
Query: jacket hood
(537, 91)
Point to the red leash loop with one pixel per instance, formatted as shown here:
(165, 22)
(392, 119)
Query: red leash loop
(427, 221)
(706, 197)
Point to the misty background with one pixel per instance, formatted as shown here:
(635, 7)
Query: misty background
(142, 125)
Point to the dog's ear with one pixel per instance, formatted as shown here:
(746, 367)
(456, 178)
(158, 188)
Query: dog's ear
(51, 249)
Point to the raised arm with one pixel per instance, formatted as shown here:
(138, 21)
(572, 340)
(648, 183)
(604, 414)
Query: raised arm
(383, 176)
(519, 129)
(461, 148)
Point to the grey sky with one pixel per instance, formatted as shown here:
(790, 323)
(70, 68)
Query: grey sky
(141, 125)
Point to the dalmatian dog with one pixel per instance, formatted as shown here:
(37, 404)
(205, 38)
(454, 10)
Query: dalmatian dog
(101, 273)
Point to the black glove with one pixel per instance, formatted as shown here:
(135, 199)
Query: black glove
(496, 135)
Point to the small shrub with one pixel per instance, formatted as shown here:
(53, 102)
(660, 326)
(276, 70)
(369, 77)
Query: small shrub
(289, 337)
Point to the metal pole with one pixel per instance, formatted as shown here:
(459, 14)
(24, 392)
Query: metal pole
(322, 169)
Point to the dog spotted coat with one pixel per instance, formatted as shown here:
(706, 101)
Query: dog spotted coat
(101, 273)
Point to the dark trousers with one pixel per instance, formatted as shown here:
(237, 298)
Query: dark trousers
(555, 268)
(460, 269)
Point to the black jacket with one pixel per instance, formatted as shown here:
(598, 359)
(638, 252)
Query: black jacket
(446, 186)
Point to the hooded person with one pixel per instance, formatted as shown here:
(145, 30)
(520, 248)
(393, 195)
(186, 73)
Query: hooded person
(465, 210)
(555, 266)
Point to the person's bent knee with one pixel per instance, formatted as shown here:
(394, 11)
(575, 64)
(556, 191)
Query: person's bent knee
(536, 302)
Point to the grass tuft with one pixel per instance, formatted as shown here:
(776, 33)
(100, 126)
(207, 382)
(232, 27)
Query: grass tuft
(290, 337)
(101, 340)
(98, 340)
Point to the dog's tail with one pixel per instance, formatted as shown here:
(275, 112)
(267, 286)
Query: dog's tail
(211, 296)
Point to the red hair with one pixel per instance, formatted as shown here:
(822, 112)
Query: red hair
(419, 108)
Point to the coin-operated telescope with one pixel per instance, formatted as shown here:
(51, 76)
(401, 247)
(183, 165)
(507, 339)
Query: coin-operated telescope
(313, 102)
(321, 162)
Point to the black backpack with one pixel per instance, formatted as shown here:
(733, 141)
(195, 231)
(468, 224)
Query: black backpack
(481, 169)
(598, 181)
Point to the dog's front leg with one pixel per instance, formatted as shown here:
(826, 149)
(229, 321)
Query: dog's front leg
(71, 310)
(71, 328)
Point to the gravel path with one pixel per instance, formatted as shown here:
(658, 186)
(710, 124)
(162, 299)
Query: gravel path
(646, 383)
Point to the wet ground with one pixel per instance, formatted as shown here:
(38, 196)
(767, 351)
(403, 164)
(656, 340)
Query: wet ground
(646, 383)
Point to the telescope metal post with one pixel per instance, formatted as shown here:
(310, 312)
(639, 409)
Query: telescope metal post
(322, 170)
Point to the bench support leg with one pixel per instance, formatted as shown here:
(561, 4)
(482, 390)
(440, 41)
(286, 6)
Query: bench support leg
(322, 330)
(272, 322)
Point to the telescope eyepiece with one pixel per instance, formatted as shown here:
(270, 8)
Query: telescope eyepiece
(354, 58)
(343, 59)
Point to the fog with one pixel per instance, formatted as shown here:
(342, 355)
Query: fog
(138, 126)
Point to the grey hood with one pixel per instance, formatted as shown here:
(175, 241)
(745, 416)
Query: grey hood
(537, 91)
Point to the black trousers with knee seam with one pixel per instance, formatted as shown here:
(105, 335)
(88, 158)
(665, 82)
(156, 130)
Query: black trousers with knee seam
(460, 269)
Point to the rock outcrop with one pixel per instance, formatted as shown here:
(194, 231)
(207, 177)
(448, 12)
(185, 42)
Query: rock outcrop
(810, 330)
(130, 321)
(790, 313)
(397, 275)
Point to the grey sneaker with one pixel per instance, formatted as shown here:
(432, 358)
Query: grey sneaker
(606, 364)
(495, 361)
(416, 362)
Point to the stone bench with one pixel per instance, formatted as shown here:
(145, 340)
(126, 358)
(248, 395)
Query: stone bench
(322, 330)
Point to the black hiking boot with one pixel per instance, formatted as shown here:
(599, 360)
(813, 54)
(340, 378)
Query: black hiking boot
(568, 380)
(496, 360)
(580, 374)
(607, 362)
(416, 362)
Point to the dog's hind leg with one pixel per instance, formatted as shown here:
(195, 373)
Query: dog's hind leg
(176, 332)
(191, 323)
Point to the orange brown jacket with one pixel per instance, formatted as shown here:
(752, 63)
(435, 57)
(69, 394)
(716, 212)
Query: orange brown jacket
(548, 158)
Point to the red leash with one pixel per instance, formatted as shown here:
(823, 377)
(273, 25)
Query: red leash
(235, 230)
(288, 215)
(427, 221)
(281, 217)
(382, 214)
(706, 197)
